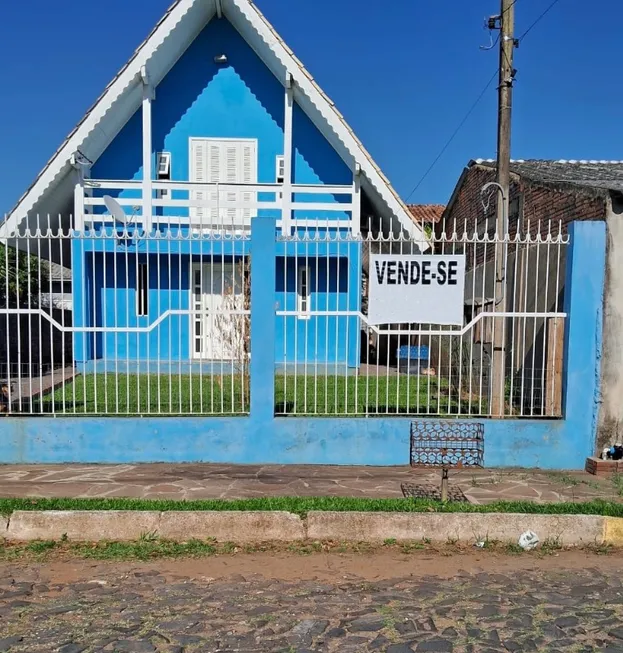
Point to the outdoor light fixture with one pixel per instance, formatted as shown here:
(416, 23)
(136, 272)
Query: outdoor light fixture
(220, 58)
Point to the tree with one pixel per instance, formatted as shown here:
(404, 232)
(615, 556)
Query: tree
(22, 276)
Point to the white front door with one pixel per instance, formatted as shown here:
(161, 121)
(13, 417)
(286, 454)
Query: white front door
(224, 161)
(218, 332)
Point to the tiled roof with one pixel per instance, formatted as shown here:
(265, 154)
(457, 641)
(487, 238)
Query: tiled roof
(58, 272)
(599, 175)
(426, 213)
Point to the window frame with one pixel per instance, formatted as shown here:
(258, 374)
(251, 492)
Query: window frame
(142, 289)
(164, 175)
(280, 168)
(303, 301)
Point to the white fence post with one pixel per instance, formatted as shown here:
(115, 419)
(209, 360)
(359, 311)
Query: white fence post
(356, 201)
(79, 207)
(286, 199)
(148, 95)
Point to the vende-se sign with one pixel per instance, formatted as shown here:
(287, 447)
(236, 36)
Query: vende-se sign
(424, 289)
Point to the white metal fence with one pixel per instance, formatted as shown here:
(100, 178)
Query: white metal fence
(158, 323)
(333, 362)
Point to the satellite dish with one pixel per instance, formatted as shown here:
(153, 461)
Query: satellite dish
(115, 210)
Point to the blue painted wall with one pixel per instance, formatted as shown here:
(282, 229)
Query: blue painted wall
(261, 438)
(242, 99)
(105, 292)
(199, 98)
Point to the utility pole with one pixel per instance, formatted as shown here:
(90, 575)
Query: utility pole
(505, 100)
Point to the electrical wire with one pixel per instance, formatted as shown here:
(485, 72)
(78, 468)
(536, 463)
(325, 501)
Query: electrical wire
(454, 133)
(523, 36)
(509, 6)
(476, 102)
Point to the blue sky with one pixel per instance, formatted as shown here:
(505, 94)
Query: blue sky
(403, 73)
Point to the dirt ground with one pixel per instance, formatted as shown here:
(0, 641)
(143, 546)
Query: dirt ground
(326, 567)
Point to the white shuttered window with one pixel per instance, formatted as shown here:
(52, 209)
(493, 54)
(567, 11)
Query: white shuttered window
(224, 161)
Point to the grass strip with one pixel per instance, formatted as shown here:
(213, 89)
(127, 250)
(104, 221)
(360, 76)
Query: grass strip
(302, 505)
(153, 548)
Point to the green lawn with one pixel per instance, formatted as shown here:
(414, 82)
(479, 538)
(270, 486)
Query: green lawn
(140, 394)
(302, 505)
(361, 395)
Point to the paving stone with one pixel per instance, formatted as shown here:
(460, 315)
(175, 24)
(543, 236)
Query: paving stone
(8, 642)
(354, 640)
(193, 615)
(309, 627)
(567, 622)
(405, 627)
(436, 645)
(367, 624)
(426, 625)
(129, 646)
(379, 643)
(187, 640)
(398, 648)
(71, 648)
(489, 611)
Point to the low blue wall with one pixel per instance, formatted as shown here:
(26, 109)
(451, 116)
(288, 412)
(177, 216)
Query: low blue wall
(283, 440)
(262, 438)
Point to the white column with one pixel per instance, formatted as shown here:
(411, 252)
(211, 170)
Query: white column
(356, 202)
(147, 150)
(286, 199)
(79, 206)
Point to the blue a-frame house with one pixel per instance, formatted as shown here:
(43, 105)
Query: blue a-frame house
(212, 123)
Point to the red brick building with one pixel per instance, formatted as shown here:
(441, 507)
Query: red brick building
(560, 191)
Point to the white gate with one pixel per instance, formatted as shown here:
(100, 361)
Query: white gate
(337, 363)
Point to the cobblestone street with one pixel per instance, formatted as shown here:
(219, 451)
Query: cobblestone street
(386, 601)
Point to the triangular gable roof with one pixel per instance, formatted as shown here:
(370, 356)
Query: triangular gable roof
(180, 25)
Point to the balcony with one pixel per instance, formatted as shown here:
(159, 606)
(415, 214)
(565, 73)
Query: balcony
(214, 206)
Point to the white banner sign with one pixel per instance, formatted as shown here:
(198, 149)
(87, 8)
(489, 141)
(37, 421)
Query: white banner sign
(420, 289)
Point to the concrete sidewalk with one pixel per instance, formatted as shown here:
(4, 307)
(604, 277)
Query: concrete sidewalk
(203, 481)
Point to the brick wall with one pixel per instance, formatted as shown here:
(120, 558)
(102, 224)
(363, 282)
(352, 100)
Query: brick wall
(537, 202)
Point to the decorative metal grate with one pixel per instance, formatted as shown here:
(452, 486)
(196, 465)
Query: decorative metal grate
(414, 491)
(447, 444)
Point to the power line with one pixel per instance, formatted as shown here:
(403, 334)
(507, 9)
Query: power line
(475, 104)
(509, 6)
(454, 133)
(538, 19)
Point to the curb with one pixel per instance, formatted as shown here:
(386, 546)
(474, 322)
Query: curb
(126, 525)
(567, 530)
(281, 526)
(232, 526)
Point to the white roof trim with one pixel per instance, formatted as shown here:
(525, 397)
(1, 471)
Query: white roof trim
(96, 117)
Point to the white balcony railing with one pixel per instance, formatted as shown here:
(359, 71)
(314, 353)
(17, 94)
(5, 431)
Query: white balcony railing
(217, 206)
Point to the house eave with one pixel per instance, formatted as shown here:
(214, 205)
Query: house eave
(159, 52)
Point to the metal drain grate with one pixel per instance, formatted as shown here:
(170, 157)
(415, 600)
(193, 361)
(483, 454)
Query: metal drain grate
(414, 491)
